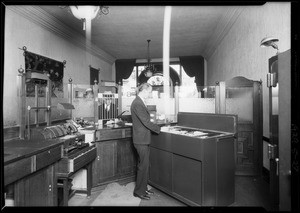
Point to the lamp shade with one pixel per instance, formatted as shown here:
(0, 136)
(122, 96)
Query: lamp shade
(268, 41)
(85, 12)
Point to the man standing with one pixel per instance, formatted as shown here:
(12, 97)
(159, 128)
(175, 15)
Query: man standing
(142, 128)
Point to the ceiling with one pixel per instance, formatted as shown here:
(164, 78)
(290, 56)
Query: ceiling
(123, 33)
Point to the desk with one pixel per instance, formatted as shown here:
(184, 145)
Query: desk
(70, 164)
(116, 157)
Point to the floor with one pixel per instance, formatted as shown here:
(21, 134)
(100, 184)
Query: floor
(249, 192)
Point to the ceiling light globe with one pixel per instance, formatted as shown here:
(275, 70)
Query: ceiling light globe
(85, 12)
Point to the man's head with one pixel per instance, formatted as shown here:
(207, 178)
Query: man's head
(144, 90)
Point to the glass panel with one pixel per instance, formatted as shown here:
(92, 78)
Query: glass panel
(83, 101)
(59, 95)
(191, 101)
(199, 105)
(239, 100)
(165, 107)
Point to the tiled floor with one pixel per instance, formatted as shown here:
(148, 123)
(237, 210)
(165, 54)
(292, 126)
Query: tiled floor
(249, 192)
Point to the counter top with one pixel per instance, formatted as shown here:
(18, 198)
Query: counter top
(108, 126)
(17, 149)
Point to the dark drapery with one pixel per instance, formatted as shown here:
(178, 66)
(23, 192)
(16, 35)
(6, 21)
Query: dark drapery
(124, 69)
(194, 67)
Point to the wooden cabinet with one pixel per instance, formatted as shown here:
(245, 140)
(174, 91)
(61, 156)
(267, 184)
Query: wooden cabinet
(37, 189)
(116, 157)
(126, 159)
(17, 170)
(30, 171)
(105, 164)
(48, 157)
(161, 168)
(196, 170)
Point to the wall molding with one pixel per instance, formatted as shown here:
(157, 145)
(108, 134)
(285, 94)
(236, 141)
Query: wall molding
(40, 17)
(224, 25)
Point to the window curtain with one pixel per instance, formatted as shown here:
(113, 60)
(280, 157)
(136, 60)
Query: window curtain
(124, 69)
(194, 67)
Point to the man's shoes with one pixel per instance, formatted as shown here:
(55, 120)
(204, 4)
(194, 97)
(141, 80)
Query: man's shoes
(149, 192)
(143, 197)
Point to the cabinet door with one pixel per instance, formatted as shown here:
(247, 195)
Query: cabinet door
(104, 167)
(126, 157)
(37, 189)
(161, 168)
(187, 178)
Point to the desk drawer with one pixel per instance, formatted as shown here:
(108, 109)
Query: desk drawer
(82, 159)
(48, 157)
(108, 134)
(111, 134)
(17, 170)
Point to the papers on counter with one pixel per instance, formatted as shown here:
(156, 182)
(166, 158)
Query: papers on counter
(165, 129)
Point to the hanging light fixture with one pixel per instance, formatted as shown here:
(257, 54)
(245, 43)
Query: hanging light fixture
(269, 41)
(85, 13)
(149, 70)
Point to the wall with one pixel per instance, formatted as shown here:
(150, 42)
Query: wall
(240, 54)
(20, 32)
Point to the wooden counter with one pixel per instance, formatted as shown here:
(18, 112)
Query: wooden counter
(29, 168)
(116, 156)
(198, 171)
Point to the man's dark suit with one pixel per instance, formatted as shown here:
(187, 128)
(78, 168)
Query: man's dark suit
(142, 127)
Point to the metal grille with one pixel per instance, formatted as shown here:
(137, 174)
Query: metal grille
(107, 106)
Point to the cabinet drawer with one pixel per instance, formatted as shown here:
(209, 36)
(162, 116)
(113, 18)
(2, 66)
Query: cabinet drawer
(48, 157)
(108, 134)
(83, 159)
(18, 170)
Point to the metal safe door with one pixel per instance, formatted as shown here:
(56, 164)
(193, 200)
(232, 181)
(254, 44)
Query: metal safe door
(279, 150)
(272, 83)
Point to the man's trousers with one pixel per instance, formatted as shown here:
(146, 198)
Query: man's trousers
(142, 169)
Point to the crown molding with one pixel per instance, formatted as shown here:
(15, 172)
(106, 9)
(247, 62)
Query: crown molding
(40, 17)
(224, 25)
